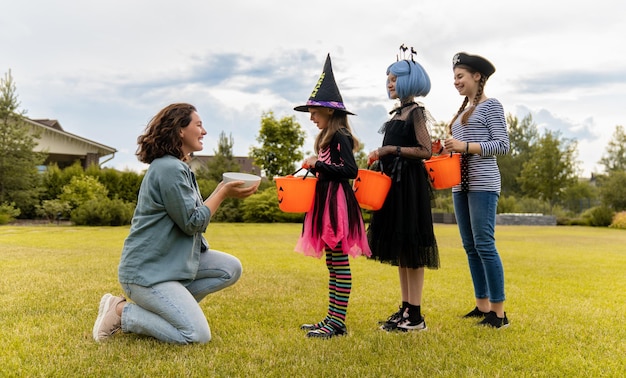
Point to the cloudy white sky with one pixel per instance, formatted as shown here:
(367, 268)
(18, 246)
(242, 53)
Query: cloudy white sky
(104, 68)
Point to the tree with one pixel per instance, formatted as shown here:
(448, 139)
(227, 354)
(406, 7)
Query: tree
(522, 136)
(551, 169)
(223, 160)
(54, 179)
(439, 131)
(281, 142)
(580, 196)
(614, 158)
(18, 162)
(612, 190)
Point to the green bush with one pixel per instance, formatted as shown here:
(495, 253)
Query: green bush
(206, 187)
(532, 205)
(53, 209)
(54, 179)
(619, 221)
(565, 221)
(507, 204)
(82, 189)
(442, 201)
(103, 212)
(262, 207)
(119, 184)
(599, 216)
(8, 212)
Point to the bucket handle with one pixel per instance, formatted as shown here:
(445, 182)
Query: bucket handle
(380, 166)
(308, 170)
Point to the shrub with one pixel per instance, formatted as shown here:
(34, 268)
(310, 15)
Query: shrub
(261, 207)
(123, 185)
(82, 189)
(532, 205)
(442, 201)
(8, 212)
(507, 204)
(619, 221)
(54, 179)
(103, 212)
(53, 209)
(599, 216)
(206, 187)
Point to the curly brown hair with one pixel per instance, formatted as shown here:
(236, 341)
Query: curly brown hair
(162, 134)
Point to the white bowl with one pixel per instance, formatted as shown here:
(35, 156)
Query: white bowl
(248, 179)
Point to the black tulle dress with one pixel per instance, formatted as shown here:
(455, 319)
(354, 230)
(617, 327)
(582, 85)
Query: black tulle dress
(401, 232)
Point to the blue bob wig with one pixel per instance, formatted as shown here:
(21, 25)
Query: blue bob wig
(412, 79)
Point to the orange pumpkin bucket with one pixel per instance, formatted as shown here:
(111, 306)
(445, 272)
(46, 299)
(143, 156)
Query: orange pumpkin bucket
(295, 193)
(444, 170)
(370, 189)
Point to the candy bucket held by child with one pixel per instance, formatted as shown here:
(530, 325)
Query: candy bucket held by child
(370, 189)
(444, 171)
(295, 193)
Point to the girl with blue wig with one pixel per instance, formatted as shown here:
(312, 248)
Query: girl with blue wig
(401, 232)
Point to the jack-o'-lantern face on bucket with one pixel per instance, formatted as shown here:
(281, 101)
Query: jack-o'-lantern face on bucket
(295, 194)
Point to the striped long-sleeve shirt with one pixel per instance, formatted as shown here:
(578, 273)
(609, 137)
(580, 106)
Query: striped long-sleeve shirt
(486, 126)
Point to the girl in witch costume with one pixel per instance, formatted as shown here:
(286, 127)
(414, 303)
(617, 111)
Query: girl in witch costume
(401, 232)
(334, 225)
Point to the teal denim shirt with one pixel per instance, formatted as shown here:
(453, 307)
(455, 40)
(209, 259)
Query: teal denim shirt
(165, 239)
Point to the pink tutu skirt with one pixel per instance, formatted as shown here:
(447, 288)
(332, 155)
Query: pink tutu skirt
(353, 245)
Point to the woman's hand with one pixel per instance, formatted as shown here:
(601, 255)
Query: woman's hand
(234, 190)
(228, 190)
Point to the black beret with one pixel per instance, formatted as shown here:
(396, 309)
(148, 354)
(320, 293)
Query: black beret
(477, 62)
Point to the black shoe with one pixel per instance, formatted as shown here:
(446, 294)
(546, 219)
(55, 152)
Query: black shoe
(314, 326)
(392, 321)
(407, 325)
(328, 331)
(475, 313)
(492, 320)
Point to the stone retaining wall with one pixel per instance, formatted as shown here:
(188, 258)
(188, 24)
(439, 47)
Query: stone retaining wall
(526, 219)
(521, 219)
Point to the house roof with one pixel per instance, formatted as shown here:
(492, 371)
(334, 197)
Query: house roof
(53, 132)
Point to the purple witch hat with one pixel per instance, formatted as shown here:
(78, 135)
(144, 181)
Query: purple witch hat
(325, 94)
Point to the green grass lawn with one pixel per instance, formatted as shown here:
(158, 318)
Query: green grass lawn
(565, 286)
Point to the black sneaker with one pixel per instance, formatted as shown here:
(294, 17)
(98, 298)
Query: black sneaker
(475, 313)
(392, 321)
(407, 325)
(314, 326)
(328, 331)
(492, 320)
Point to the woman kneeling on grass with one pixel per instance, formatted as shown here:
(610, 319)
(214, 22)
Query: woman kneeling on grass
(166, 267)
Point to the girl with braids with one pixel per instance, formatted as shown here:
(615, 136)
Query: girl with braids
(166, 267)
(334, 225)
(479, 132)
(401, 232)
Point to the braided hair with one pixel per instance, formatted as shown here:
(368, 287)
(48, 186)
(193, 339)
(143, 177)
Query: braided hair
(479, 93)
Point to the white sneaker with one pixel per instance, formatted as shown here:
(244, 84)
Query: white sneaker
(108, 321)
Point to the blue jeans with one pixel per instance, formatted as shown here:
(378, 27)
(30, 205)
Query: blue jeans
(169, 311)
(476, 217)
